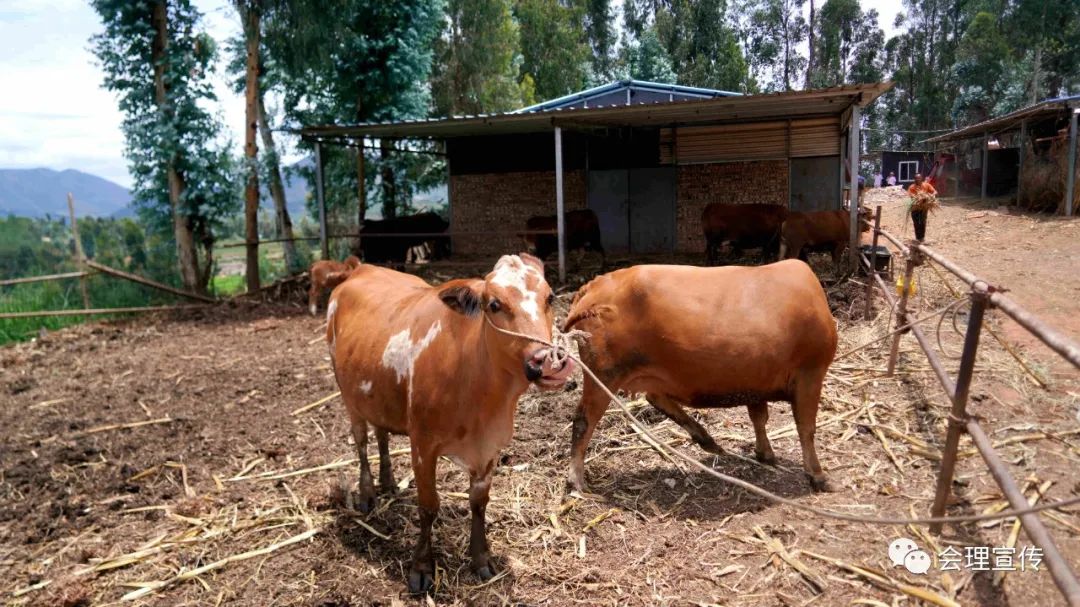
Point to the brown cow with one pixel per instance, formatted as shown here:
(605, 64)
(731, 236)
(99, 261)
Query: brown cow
(830, 231)
(582, 233)
(328, 274)
(424, 361)
(706, 337)
(745, 226)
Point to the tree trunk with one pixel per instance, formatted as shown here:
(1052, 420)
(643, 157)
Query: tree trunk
(249, 12)
(361, 185)
(810, 56)
(277, 190)
(389, 187)
(183, 233)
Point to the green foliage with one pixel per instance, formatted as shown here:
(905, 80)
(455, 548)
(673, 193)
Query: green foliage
(477, 67)
(600, 31)
(772, 36)
(554, 47)
(849, 43)
(647, 59)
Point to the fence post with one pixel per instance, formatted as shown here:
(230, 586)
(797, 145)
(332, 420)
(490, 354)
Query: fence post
(958, 414)
(873, 263)
(914, 259)
(80, 255)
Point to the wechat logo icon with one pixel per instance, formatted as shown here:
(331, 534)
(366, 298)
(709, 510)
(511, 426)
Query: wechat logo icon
(906, 553)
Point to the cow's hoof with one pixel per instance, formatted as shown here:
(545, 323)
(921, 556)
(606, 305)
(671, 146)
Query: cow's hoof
(420, 582)
(766, 457)
(366, 502)
(822, 485)
(485, 572)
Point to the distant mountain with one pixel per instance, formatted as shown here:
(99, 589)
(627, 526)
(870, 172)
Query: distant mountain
(35, 192)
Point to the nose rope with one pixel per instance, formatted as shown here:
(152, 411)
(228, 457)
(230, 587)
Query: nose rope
(560, 348)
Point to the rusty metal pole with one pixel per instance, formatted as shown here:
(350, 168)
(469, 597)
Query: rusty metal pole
(914, 259)
(957, 416)
(873, 262)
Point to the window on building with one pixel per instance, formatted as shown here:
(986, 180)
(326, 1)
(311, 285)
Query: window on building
(907, 170)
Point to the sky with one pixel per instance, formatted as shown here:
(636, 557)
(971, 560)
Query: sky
(54, 112)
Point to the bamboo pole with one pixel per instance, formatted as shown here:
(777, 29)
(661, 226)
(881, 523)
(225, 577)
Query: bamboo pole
(147, 282)
(96, 311)
(80, 255)
(19, 281)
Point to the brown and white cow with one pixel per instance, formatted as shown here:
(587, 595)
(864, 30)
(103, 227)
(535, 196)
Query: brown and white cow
(424, 361)
(328, 274)
(706, 337)
(803, 233)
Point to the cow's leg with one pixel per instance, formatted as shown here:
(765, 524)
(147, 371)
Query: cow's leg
(677, 414)
(593, 404)
(386, 471)
(759, 416)
(313, 298)
(422, 571)
(479, 486)
(805, 408)
(367, 488)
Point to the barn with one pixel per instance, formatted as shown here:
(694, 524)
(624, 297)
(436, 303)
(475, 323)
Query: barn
(1030, 154)
(646, 157)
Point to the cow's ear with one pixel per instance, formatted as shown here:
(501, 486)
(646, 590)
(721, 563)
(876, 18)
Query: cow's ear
(462, 296)
(533, 261)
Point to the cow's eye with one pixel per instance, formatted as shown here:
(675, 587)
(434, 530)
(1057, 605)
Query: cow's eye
(494, 306)
(550, 299)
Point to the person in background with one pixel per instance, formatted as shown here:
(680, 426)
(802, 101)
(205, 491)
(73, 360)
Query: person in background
(892, 178)
(923, 199)
(877, 179)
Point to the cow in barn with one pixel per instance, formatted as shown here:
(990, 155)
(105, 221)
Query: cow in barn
(391, 240)
(704, 338)
(582, 233)
(327, 274)
(803, 233)
(427, 362)
(744, 226)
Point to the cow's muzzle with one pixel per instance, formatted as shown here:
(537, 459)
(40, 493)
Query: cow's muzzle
(542, 369)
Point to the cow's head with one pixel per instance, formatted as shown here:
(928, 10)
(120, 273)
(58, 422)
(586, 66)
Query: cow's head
(515, 297)
(529, 242)
(352, 262)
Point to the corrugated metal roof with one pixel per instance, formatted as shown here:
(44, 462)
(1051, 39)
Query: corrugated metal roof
(627, 84)
(720, 110)
(1009, 121)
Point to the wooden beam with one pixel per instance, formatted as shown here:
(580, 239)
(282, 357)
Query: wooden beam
(80, 255)
(1020, 167)
(853, 199)
(19, 281)
(985, 163)
(147, 282)
(560, 220)
(1070, 186)
(97, 311)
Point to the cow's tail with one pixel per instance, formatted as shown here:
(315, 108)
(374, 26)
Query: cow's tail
(782, 249)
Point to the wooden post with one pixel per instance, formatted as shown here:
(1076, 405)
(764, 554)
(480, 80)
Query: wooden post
(1020, 168)
(985, 163)
(560, 220)
(251, 148)
(320, 197)
(914, 259)
(853, 198)
(80, 255)
(873, 263)
(1070, 187)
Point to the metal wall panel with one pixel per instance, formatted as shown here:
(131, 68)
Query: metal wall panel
(750, 141)
(652, 210)
(608, 197)
(814, 184)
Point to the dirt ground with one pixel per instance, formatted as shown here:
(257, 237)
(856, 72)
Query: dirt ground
(221, 466)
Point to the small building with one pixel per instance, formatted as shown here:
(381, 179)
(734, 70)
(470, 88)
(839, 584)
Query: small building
(905, 164)
(1031, 153)
(646, 157)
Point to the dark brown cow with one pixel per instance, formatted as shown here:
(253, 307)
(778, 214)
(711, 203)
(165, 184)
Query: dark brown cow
(706, 337)
(803, 233)
(423, 361)
(327, 274)
(582, 234)
(745, 226)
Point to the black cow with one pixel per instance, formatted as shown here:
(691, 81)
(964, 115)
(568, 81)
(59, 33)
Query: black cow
(582, 233)
(390, 249)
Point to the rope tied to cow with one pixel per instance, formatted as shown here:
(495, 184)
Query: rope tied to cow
(559, 346)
